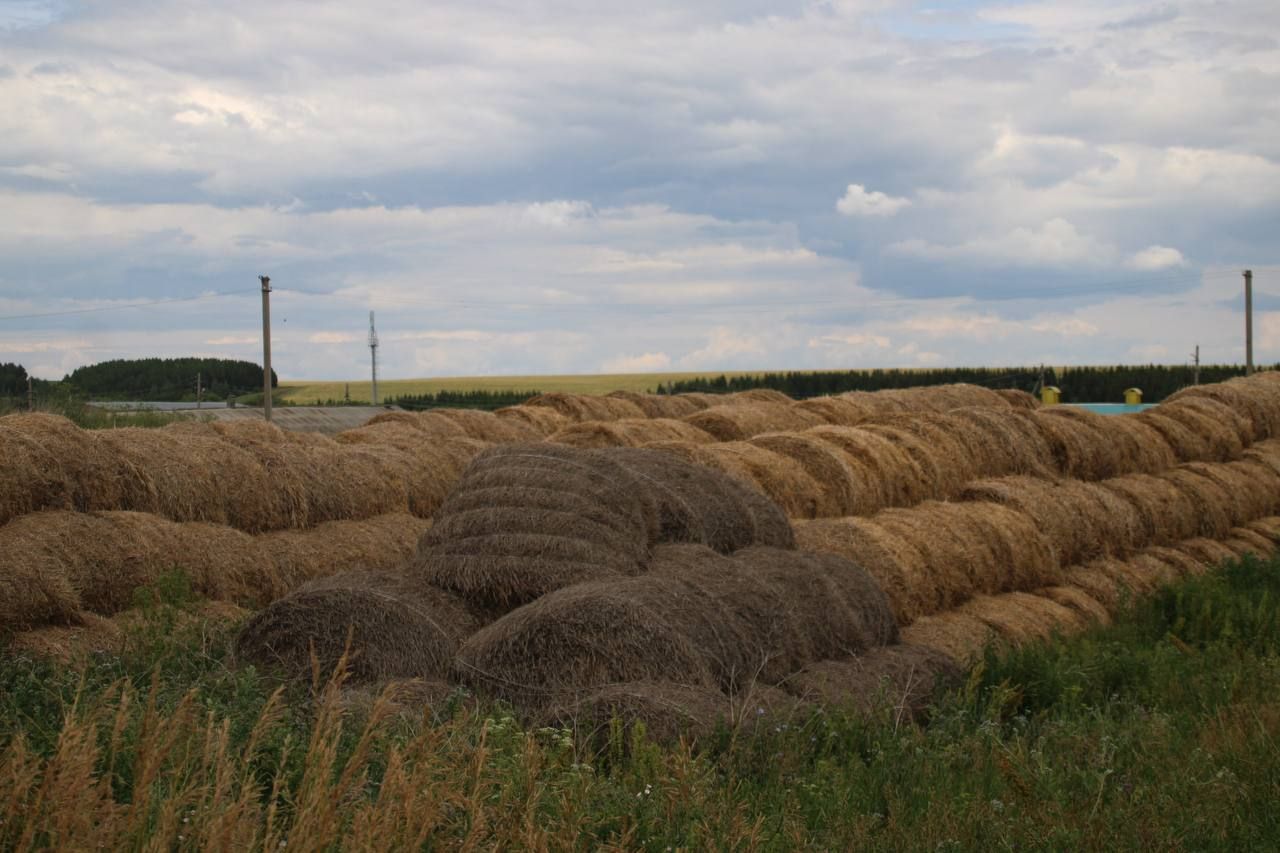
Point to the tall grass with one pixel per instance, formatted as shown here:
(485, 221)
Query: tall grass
(1159, 732)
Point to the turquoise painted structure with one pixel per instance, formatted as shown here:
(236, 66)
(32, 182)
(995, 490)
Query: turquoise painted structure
(1112, 408)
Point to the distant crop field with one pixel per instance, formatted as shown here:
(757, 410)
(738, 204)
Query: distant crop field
(586, 383)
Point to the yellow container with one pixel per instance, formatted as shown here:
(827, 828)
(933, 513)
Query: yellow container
(1050, 395)
(1132, 396)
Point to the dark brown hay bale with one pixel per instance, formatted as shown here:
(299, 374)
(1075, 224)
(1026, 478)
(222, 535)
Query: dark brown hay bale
(938, 478)
(31, 473)
(1075, 598)
(1187, 444)
(541, 419)
(839, 483)
(892, 476)
(397, 629)
(1246, 541)
(1167, 514)
(854, 585)
(1210, 553)
(629, 433)
(668, 713)
(1226, 432)
(486, 426)
(901, 679)
(838, 411)
(961, 636)
(660, 405)
(738, 422)
(1214, 506)
(704, 506)
(1178, 564)
(1099, 583)
(1081, 445)
(384, 542)
(1268, 527)
(897, 565)
(1018, 399)
(1135, 577)
(1020, 617)
(586, 407)
(572, 641)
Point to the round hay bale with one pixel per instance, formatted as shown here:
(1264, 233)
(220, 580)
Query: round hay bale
(1252, 488)
(669, 713)
(1020, 617)
(586, 407)
(1118, 524)
(1255, 403)
(1214, 504)
(381, 543)
(1268, 527)
(1166, 514)
(488, 427)
(1147, 450)
(91, 474)
(1010, 442)
(704, 506)
(897, 565)
(960, 451)
(1246, 541)
(350, 481)
(397, 629)
(1079, 442)
(840, 484)
(659, 405)
(779, 477)
(902, 679)
(938, 478)
(573, 641)
(1210, 553)
(877, 403)
(758, 395)
(543, 420)
(1074, 597)
(36, 571)
(31, 473)
(1224, 430)
(740, 421)
(1187, 444)
(961, 636)
(1072, 515)
(838, 411)
(861, 593)
(1018, 399)
(1022, 556)
(629, 433)
(1176, 564)
(893, 477)
(430, 424)
(430, 469)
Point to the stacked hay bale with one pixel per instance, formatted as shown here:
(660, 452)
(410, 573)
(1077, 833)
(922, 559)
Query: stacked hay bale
(587, 407)
(740, 421)
(629, 433)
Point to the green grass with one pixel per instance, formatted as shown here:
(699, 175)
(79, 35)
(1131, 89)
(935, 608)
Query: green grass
(1161, 731)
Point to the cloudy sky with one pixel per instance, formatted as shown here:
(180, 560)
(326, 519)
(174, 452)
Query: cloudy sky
(538, 187)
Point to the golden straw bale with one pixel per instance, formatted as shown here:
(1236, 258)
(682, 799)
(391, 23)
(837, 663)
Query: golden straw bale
(1081, 445)
(1012, 442)
(779, 477)
(1135, 577)
(902, 679)
(587, 407)
(1187, 444)
(31, 473)
(541, 419)
(1214, 505)
(1210, 553)
(660, 405)
(487, 426)
(1018, 399)
(1020, 617)
(1117, 524)
(629, 433)
(878, 403)
(1225, 430)
(430, 469)
(897, 565)
(893, 476)
(1022, 555)
(1067, 512)
(702, 400)
(1253, 488)
(1179, 564)
(351, 481)
(384, 542)
(1147, 451)
(389, 626)
(37, 569)
(839, 483)
(960, 452)
(92, 474)
(962, 636)
(740, 421)
(1101, 580)
(939, 477)
(1257, 403)
(430, 424)
(1167, 514)
(1249, 541)
(1075, 598)
(1268, 527)
(840, 411)
(758, 395)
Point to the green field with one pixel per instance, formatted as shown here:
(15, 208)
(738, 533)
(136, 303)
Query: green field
(306, 392)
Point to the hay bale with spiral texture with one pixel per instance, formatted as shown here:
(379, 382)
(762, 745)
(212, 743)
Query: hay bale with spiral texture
(1254, 489)
(1073, 516)
(1210, 553)
(779, 477)
(587, 407)
(1013, 442)
(543, 420)
(487, 426)
(960, 451)
(1019, 618)
(1268, 527)
(1258, 404)
(573, 641)
(740, 421)
(629, 433)
(670, 406)
(1187, 444)
(838, 411)
(961, 636)
(897, 565)
(1147, 451)
(1224, 430)
(1214, 505)
(937, 479)
(1090, 609)
(892, 476)
(1244, 541)
(31, 474)
(901, 679)
(1018, 399)
(396, 628)
(668, 714)
(1081, 446)
(1166, 513)
(840, 484)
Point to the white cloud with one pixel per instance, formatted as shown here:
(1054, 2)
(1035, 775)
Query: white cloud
(1054, 243)
(232, 340)
(858, 202)
(1156, 258)
(649, 362)
(333, 338)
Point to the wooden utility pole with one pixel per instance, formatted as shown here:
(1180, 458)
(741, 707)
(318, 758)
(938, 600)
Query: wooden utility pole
(1195, 375)
(1248, 322)
(31, 395)
(266, 345)
(199, 389)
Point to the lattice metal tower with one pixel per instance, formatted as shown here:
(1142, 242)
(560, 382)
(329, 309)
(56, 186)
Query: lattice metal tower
(373, 355)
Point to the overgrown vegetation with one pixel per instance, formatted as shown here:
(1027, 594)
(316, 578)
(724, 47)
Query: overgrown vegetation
(1078, 384)
(1158, 732)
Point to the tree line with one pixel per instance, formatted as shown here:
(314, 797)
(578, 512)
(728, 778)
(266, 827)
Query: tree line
(1078, 384)
(143, 380)
(462, 399)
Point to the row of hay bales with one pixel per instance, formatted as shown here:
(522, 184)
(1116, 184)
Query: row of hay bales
(249, 475)
(57, 566)
(1018, 533)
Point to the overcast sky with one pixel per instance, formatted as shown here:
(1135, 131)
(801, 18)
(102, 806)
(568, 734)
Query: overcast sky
(536, 187)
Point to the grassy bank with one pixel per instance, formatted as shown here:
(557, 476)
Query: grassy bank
(1160, 731)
